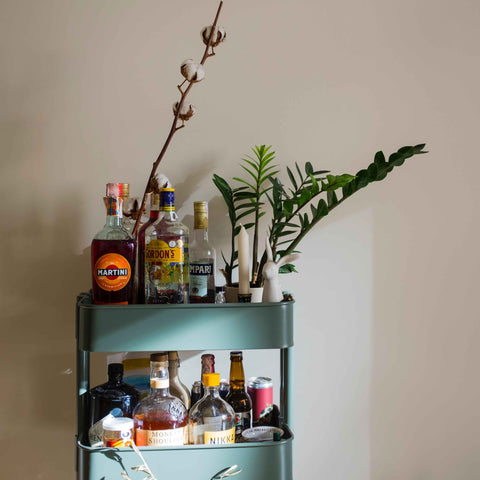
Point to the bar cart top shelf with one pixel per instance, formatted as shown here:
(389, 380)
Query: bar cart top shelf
(114, 328)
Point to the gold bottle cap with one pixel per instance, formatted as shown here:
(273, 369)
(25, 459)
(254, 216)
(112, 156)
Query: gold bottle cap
(211, 379)
(200, 207)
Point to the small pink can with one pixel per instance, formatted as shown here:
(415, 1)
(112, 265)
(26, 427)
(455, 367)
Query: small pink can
(260, 390)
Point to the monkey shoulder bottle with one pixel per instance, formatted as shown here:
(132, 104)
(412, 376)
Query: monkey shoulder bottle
(160, 418)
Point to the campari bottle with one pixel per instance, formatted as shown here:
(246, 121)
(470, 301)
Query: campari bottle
(202, 258)
(113, 255)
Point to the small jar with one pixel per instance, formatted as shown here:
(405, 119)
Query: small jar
(220, 295)
(117, 432)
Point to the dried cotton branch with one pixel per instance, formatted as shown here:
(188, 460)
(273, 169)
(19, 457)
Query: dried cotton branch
(193, 72)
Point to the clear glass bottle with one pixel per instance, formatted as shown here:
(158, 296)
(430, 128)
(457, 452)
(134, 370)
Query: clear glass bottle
(212, 420)
(202, 258)
(154, 212)
(95, 432)
(113, 255)
(166, 255)
(113, 394)
(238, 397)
(177, 388)
(160, 418)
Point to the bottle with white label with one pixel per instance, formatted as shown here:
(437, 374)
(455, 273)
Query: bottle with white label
(160, 418)
(202, 258)
(212, 420)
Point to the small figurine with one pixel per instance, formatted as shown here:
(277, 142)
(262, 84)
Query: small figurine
(272, 290)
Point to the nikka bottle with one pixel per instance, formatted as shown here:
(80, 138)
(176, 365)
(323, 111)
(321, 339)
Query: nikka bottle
(160, 418)
(166, 255)
(201, 258)
(238, 397)
(212, 419)
(113, 255)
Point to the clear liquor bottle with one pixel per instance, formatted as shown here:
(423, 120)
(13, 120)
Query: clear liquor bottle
(113, 255)
(212, 419)
(160, 418)
(166, 255)
(238, 397)
(177, 388)
(154, 212)
(202, 258)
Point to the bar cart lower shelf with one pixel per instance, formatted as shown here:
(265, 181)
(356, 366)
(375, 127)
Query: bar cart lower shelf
(185, 327)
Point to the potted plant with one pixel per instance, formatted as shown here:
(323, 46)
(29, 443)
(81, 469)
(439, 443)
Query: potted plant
(294, 208)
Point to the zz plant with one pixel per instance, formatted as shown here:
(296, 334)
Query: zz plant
(296, 208)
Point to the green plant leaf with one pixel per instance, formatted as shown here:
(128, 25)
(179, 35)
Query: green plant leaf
(292, 178)
(308, 169)
(332, 198)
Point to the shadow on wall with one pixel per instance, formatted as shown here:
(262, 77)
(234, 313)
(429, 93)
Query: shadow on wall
(37, 344)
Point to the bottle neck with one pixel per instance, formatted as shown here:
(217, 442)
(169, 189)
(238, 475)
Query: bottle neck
(115, 379)
(114, 212)
(212, 391)
(200, 235)
(237, 375)
(159, 379)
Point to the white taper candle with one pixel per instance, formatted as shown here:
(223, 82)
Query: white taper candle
(243, 262)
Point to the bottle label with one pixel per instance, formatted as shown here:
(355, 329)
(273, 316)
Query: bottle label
(219, 438)
(243, 420)
(112, 272)
(199, 276)
(164, 262)
(161, 438)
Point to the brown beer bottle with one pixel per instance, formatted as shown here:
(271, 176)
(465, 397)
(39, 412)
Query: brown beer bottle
(238, 397)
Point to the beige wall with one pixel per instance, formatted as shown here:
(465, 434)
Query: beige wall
(387, 309)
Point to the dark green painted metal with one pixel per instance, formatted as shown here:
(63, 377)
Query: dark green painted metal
(258, 461)
(112, 328)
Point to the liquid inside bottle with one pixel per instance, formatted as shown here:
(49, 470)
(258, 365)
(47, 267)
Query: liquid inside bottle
(238, 397)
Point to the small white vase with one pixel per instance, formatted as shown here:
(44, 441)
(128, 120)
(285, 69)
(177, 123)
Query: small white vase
(231, 294)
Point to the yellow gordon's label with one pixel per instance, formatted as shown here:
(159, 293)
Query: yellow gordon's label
(163, 252)
(161, 438)
(219, 438)
(112, 272)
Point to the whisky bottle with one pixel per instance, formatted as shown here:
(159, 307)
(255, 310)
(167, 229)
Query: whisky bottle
(202, 258)
(238, 398)
(166, 255)
(177, 388)
(160, 418)
(212, 419)
(113, 255)
(112, 394)
(154, 211)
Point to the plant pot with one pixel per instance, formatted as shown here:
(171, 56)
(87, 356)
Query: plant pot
(231, 294)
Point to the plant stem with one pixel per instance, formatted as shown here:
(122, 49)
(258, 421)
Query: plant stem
(174, 127)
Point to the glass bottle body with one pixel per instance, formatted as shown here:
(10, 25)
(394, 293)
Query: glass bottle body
(140, 277)
(166, 255)
(112, 394)
(201, 258)
(212, 420)
(177, 388)
(160, 418)
(113, 259)
(238, 397)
